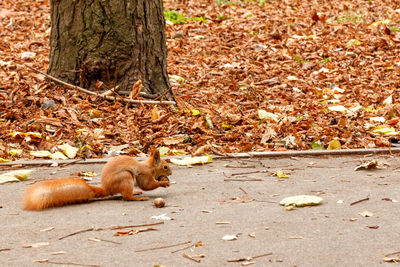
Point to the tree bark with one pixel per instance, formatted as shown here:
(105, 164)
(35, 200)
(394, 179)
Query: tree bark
(117, 42)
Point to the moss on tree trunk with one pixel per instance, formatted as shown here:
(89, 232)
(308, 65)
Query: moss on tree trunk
(106, 39)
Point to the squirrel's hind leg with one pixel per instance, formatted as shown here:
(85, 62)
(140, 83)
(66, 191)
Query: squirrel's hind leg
(126, 189)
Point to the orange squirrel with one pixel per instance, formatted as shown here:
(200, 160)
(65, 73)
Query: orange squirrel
(119, 175)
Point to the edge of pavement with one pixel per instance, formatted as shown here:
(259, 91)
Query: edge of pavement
(271, 154)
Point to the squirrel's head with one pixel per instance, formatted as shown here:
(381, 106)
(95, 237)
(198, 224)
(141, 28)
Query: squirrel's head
(161, 166)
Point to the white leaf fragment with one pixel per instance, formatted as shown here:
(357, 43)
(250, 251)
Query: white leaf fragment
(264, 115)
(366, 214)
(301, 200)
(69, 150)
(229, 237)
(15, 176)
(162, 217)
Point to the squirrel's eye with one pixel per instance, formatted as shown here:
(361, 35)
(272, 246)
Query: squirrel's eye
(165, 167)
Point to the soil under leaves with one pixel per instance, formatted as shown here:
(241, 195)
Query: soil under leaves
(324, 69)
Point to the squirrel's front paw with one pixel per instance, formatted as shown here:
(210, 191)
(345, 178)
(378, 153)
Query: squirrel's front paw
(163, 180)
(164, 183)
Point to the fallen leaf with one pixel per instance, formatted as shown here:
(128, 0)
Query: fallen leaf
(69, 150)
(229, 237)
(201, 150)
(163, 217)
(280, 174)
(366, 214)
(187, 161)
(15, 176)
(136, 88)
(58, 155)
(334, 144)
(265, 115)
(155, 114)
(40, 154)
(373, 164)
(301, 201)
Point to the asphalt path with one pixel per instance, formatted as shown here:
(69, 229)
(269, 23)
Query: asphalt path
(238, 199)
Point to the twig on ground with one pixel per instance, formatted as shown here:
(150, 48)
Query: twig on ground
(129, 226)
(109, 228)
(71, 162)
(169, 246)
(163, 94)
(243, 173)
(66, 263)
(358, 201)
(190, 257)
(191, 245)
(96, 239)
(78, 232)
(126, 100)
(243, 180)
(391, 254)
(5, 249)
(244, 191)
(237, 167)
(250, 258)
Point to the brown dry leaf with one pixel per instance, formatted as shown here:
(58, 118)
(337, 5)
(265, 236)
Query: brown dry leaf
(155, 114)
(173, 140)
(303, 74)
(201, 150)
(137, 87)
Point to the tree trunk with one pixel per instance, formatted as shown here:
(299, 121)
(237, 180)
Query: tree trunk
(113, 41)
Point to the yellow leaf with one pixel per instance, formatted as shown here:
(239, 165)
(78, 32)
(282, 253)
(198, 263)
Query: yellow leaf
(58, 155)
(334, 144)
(88, 174)
(384, 130)
(353, 42)
(15, 176)
(187, 161)
(371, 110)
(163, 151)
(155, 114)
(40, 153)
(68, 150)
(224, 125)
(4, 160)
(14, 152)
(385, 22)
(95, 113)
(281, 174)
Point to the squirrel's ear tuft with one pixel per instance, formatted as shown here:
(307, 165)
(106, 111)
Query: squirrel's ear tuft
(155, 155)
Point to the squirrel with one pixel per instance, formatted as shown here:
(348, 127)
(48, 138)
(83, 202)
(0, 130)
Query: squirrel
(119, 175)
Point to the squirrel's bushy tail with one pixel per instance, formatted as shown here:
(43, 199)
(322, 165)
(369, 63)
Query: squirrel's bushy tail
(59, 192)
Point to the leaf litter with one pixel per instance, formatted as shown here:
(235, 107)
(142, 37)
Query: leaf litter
(263, 75)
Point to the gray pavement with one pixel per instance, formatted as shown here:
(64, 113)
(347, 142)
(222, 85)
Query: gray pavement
(205, 204)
